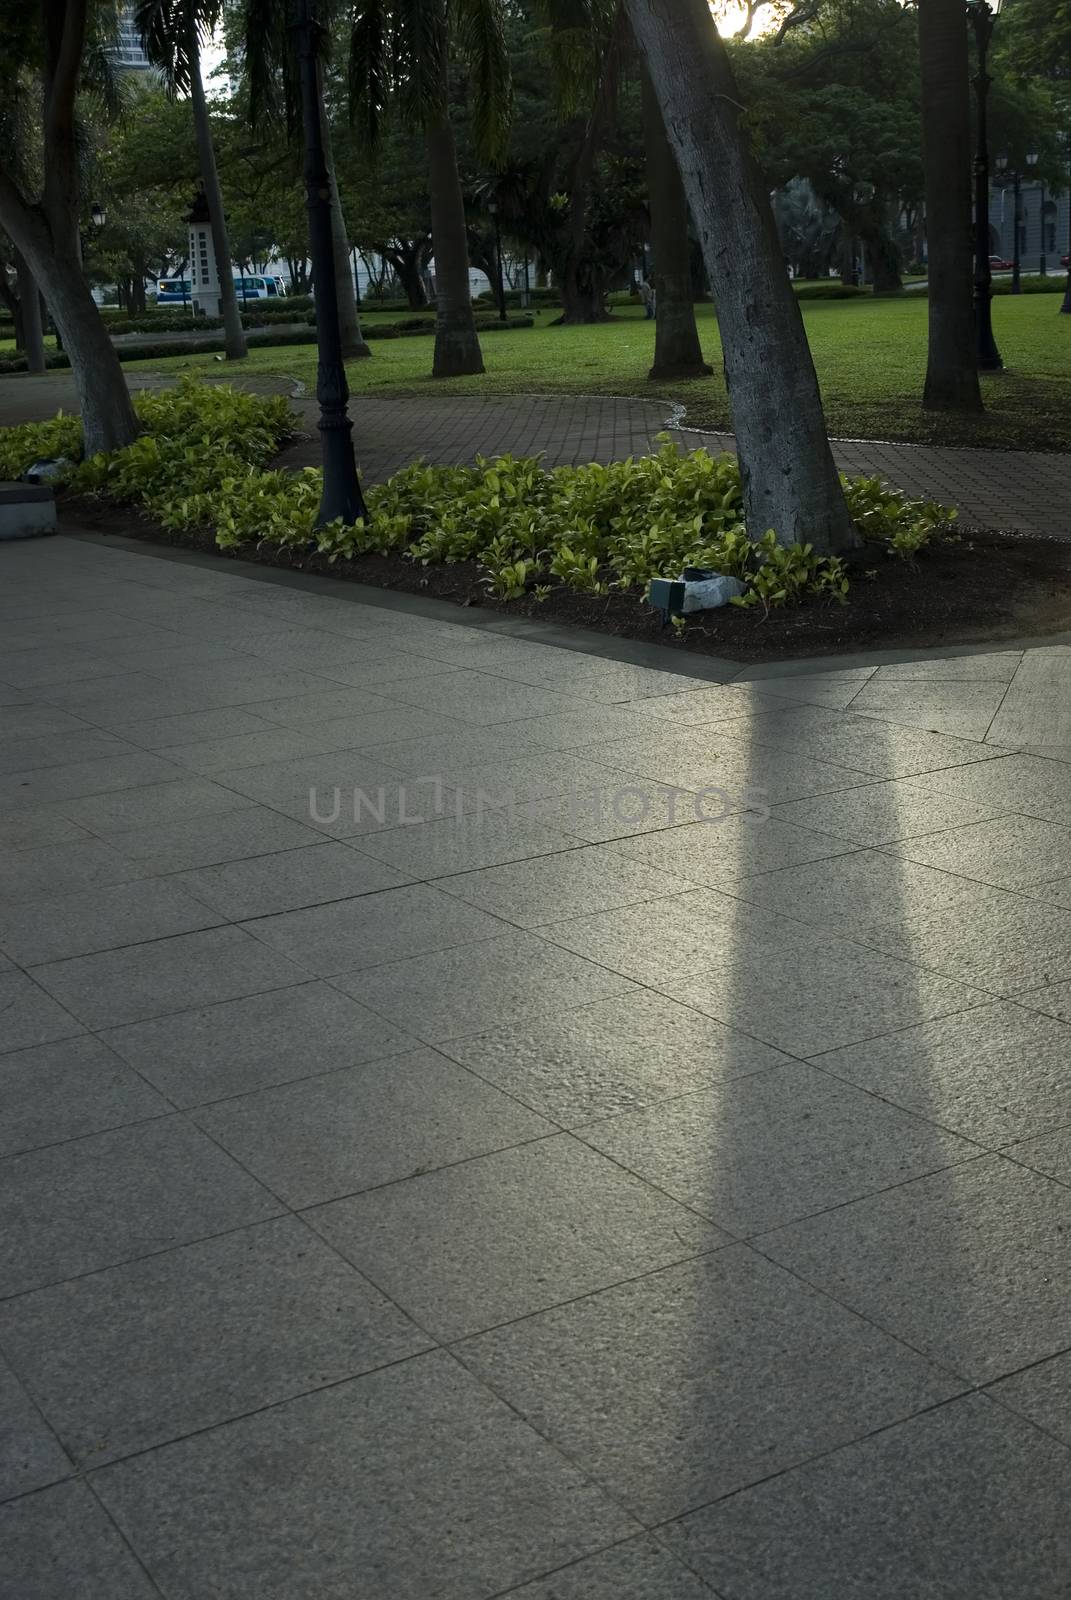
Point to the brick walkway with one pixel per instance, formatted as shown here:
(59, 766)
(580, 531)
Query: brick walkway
(1027, 493)
(583, 1202)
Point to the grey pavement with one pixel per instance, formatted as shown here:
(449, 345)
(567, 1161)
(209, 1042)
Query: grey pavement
(482, 1118)
(1014, 491)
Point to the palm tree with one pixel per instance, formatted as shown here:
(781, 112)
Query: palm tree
(951, 367)
(172, 31)
(50, 51)
(789, 480)
(400, 49)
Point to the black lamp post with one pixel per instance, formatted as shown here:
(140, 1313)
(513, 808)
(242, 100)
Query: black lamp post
(1065, 306)
(983, 15)
(342, 497)
(492, 206)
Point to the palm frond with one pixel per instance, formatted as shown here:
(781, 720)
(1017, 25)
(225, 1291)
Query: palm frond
(578, 32)
(261, 48)
(480, 30)
(421, 57)
(369, 66)
(163, 26)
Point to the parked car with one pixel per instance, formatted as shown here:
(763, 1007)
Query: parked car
(1065, 262)
(998, 264)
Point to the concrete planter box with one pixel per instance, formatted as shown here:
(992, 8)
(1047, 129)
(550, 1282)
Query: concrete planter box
(27, 510)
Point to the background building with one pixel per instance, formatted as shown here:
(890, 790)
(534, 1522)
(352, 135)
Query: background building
(130, 53)
(1043, 225)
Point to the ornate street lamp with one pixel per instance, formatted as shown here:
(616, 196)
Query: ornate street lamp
(97, 214)
(1016, 177)
(983, 15)
(342, 497)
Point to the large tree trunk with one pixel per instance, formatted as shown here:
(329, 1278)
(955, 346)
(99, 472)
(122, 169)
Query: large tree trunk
(46, 234)
(583, 299)
(787, 473)
(951, 367)
(33, 339)
(408, 268)
(678, 353)
(47, 237)
(457, 348)
(882, 253)
(353, 345)
(233, 336)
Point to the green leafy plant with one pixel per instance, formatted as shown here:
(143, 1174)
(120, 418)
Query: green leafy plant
(203, 461)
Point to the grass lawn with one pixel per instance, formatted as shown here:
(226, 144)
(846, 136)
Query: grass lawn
(870, 356)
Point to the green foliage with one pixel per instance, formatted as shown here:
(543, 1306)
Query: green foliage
(1052, 283)
(202, 459)
(154, 349)
(887, 517)
(596, 528)
(199, 462)
(781, 575)
(34, 441)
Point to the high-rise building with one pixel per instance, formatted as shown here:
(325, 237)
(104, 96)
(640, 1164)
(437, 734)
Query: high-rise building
(129, 51)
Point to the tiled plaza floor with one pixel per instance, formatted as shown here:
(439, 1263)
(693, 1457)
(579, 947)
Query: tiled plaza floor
(587, 1202)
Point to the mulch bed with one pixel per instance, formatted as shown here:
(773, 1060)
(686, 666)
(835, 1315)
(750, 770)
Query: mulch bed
(980, 589)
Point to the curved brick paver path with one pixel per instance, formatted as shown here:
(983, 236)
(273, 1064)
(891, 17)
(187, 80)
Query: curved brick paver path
(1028, 493)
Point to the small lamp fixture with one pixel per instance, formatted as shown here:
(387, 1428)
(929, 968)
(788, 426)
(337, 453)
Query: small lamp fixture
(98, 216)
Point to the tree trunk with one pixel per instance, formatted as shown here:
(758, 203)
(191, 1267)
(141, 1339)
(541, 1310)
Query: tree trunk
(883, 260)
(353, 345)
(952, 365)
(408, 270)
(33, 339)
(233, 336)
(583, 300)
(787, 473)
(48, 242)
(457, 348)
(677, 353)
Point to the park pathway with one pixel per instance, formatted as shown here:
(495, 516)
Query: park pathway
(1022, 492)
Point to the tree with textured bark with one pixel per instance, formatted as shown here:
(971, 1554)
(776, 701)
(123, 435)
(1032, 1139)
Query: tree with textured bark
(952, 363)
(400, 50)
(172, 31)
(678, 353)
(33, 336)
(44, 49)
(789, 480)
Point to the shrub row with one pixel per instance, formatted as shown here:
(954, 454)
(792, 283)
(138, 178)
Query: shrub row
(202, 460)
(1054, 283)
(272, 339)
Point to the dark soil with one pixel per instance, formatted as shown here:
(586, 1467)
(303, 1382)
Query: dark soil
(982, 588)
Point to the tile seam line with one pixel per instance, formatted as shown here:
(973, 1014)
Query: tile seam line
(655, 1528)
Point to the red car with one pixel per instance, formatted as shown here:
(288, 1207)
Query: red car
(998, 264)
(1065, 261)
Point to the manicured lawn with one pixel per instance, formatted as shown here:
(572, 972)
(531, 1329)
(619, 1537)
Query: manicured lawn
(870, 356)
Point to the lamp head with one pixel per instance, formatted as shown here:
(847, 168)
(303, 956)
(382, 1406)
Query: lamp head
(97, 215)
